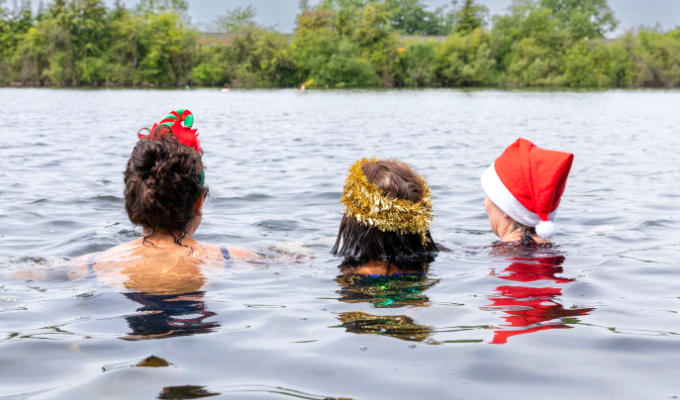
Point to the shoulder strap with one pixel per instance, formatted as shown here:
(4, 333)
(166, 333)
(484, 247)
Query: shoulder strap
(225, 253)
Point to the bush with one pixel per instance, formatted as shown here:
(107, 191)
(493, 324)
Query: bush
(416, 65)
(465, 60)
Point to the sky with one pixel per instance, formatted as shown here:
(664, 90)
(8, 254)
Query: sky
(280, 14)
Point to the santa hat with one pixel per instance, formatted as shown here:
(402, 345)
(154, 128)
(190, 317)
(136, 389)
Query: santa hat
(527, 183)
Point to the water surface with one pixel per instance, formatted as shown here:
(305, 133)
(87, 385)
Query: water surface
(596, 317)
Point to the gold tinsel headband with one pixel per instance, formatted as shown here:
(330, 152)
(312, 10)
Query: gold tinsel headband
(366, 203)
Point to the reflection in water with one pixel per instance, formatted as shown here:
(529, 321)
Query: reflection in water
(398, 326)
(168, 315)
(530, 309)
(185, 392)
(385, 291)
(153, 362)
(169, 290)
(391, 291)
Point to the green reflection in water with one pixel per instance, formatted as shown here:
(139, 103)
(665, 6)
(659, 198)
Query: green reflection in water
(392, 291)
(385, 291)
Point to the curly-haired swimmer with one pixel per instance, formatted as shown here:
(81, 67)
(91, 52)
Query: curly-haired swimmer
(164, 193)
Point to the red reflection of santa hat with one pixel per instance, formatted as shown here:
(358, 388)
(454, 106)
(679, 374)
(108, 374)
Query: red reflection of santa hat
(527, 183)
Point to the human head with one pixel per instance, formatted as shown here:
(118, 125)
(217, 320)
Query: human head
(526, 184)
(164, 184)
(387, 214)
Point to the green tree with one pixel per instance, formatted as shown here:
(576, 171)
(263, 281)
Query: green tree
(584, 66)
(372, 33)
(166, 50)
(471, 16)
(214, 66)
(256, 57)
(237, 19)
(656, 59)
(303, 5)
(411, 17)
(263, 58)
(583, 18)
(13, 25)
(125, 50)
(326, 57)
(529, 45)
(180, 7)
(465, 60)
(357, 33)
(416, 66)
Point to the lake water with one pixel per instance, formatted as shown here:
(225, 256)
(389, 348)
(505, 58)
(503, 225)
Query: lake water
(596, 317)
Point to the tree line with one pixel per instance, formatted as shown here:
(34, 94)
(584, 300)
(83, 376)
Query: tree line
(336, 43)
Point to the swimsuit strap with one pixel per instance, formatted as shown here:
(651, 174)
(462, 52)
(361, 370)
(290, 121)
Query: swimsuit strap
(225, 253)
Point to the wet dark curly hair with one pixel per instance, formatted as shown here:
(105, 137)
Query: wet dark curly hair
(360, 244)
(162, 185)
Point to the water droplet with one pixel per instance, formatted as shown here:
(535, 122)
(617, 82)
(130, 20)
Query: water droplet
(363, 348)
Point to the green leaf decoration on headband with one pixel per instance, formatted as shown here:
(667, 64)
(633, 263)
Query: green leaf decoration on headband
(188, 120)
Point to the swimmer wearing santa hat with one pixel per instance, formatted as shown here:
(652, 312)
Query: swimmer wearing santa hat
(523, 190)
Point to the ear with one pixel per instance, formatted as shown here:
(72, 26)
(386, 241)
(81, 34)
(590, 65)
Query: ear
(198, 205)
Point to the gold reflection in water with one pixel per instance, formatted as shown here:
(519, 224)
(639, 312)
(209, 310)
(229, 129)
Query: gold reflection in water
(397, 326)
(153, 362)
(185, 392)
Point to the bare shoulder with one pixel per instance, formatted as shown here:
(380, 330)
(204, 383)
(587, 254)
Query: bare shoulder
(213, 252)
(80, 266)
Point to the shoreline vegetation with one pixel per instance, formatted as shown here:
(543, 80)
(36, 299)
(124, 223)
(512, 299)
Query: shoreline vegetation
(336, 44)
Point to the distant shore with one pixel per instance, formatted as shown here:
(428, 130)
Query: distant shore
(537, 44)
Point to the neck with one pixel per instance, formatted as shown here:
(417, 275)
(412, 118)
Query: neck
(514, 233)
(377, 268)
(166, 238)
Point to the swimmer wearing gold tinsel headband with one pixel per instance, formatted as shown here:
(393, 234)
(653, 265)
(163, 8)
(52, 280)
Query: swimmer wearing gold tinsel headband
(385, 228)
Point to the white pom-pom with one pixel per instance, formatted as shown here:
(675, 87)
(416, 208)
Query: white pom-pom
(545, 229)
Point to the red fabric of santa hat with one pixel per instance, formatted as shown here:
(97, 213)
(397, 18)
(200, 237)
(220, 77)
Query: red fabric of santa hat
(527, 183)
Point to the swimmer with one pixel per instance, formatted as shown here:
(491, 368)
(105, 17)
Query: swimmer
(523, 190)
(385, 229)
(164, 194)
